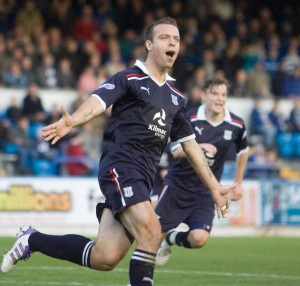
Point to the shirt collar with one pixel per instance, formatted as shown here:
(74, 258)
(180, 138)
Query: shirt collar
(201, 114)
(142, 66)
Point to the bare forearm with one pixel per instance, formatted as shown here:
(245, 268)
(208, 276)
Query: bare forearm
(90, 109)
(241, 164)
(198, 161)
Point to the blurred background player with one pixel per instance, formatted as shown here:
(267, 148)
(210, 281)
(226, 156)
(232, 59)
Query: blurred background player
(184, 198)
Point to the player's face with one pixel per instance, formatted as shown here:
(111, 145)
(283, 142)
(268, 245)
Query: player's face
(165, 46)
(215, 98)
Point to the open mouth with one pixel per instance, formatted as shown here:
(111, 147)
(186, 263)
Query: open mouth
(170, 54)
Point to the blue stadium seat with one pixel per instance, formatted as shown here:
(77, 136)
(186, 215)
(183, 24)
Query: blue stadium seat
(285, 144)
(296, 140)
(33, 129)
(43, 167)
(11, 148)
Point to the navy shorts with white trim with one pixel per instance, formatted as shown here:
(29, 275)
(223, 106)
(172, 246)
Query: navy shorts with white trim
(123, 187)
(175, 207)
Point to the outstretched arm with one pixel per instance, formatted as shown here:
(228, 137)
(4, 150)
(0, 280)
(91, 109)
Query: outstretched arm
(90, 109)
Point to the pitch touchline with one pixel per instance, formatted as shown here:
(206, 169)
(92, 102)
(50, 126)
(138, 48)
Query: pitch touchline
(158, 270)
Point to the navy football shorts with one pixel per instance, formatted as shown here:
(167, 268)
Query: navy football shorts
(123, 187)
(175, 207)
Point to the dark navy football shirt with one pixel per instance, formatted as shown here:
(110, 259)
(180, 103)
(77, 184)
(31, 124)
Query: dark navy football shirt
(223, 135)
(144, 115)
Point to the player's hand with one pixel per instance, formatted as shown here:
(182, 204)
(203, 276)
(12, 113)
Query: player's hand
(221, 200)
(236, 193)
(59, 129)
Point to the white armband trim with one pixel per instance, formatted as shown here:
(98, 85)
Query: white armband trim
(100, 100)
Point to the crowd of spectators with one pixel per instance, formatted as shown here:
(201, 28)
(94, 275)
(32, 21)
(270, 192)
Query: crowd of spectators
(64, 44)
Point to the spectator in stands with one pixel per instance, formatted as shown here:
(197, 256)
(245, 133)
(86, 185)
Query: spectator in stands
(54, 41)
(240, 84)
(32, 106)
(60, 15)
(13, 111)
(4, 58)
(29, 17)
(208, 63)
(5, 125)
(115, 62)
(87, 81)
(47, 72)
(262, 163)
(294, 117)
(82, 95)
(291, 60)
(231, 62)
(28, 69)
(197, 78)
(259, 81)
(14, 77)
(66, 77)
(77, 164)
(271, 62)
(194, 98)
(101, 75)
(85, 25)
(72, 52)
(277, 117)
(291, 83)
(278, 80)
(260, 124)
(19, 135)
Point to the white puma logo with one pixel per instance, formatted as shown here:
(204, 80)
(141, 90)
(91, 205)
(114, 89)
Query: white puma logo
(199, 130)
(147, 89)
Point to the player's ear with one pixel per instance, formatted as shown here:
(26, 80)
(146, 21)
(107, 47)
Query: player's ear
(149, 45)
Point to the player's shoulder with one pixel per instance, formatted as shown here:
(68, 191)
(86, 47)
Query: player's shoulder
(134, 73)
(236, 120)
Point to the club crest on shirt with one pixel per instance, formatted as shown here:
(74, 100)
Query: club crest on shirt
(174, 99)
(227, 134)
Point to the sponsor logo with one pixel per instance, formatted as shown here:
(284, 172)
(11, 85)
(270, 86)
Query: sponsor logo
(227, 134)
(107, 86)
(174, 99)
(160, 116)
(199, 130)
(145, 88)
(128, 192)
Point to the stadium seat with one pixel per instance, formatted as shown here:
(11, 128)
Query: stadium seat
(285, 143)
(296, 140)
(11, 148)
(34, 128)
(43, 167)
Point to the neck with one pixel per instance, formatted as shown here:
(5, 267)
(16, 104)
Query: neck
(214, 117)
(156, 72)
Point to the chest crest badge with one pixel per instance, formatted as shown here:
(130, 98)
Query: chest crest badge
(227, 134)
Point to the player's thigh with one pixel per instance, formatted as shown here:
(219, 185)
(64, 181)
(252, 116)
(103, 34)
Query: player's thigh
(112, 243)
(140, 220)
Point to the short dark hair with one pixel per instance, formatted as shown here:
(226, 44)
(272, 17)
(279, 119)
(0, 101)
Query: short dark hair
(213, 82)
(150, 28)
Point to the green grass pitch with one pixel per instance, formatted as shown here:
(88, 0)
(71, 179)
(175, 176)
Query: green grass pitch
(232, 261)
